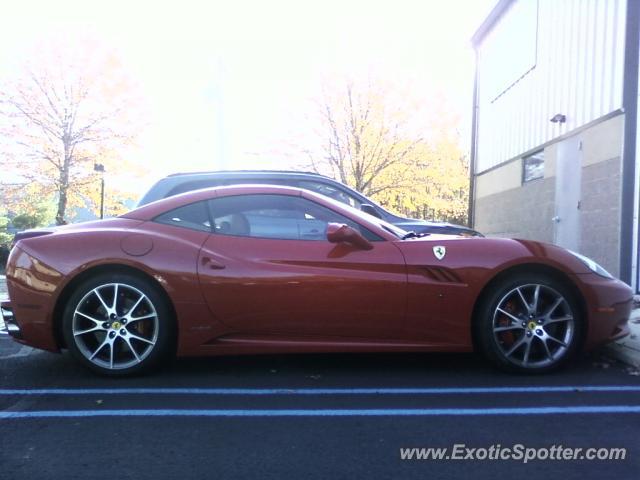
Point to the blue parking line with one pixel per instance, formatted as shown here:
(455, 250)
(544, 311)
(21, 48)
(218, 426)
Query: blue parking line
(319, 391)
(378, 412)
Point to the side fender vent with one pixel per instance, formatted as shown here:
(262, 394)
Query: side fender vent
(439, 274)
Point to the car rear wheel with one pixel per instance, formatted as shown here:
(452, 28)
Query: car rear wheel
(118, 325)
(529, 323)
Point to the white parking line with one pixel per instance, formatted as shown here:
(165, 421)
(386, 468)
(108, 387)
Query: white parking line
(23, 352)
(378, 412)
(322, 391)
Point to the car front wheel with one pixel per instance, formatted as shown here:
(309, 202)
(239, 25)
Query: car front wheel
(530, 323)
(117, 325)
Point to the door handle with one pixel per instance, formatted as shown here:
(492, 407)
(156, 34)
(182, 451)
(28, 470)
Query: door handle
(211, 264)
(556, 219)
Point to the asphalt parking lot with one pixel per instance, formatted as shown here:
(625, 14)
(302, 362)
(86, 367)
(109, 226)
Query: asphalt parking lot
(312, 416)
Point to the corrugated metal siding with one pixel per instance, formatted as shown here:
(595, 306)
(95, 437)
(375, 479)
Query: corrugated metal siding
(578, 72)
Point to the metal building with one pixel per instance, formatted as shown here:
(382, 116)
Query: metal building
(555, 127)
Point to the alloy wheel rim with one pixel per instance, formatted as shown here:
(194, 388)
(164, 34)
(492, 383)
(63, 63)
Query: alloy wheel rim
(533, 326)
(115, 326)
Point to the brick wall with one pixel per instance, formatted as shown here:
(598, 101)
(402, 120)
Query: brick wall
(522, 212)
(600, 213)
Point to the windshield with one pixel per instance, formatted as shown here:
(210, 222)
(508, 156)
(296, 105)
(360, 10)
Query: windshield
(359, 214)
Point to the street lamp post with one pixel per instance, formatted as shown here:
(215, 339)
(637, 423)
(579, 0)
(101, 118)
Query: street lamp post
(99, 167)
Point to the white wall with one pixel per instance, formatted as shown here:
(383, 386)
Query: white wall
(545, 57)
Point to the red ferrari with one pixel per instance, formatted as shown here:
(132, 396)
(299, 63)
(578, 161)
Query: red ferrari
(265, 269)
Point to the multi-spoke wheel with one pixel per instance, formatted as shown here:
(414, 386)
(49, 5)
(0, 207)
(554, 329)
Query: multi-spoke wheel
(117, 324)
(530, 323)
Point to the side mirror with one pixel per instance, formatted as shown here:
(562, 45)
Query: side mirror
(370, 209)
(341, 233)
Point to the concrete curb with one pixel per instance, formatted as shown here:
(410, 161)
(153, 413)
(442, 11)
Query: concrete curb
(627, 350)
(4, 295)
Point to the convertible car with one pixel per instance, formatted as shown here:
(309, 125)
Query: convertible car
(265, 269)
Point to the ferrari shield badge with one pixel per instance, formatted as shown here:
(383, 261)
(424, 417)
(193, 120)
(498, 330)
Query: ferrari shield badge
(439, 251)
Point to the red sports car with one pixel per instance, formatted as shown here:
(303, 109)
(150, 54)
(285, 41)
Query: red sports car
(265, 269)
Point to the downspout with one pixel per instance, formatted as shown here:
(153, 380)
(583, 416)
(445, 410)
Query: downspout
(628, 173)
(474, 149)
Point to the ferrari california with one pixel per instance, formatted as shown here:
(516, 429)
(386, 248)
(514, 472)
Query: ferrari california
(257, 269)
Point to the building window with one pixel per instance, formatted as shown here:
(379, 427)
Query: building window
(533, 167)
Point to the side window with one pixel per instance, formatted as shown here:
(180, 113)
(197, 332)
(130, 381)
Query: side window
(191, 186)
(282, 217)
(193, 216)
(253, 181)
(331, 192)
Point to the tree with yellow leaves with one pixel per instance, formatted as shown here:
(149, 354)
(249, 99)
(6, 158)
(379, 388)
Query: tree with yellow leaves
(368, 138)
(440, 184)
(72, 106)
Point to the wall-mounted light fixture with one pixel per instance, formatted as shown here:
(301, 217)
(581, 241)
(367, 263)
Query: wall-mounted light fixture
(558, 118)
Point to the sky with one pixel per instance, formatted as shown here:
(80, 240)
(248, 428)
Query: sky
(225, 82)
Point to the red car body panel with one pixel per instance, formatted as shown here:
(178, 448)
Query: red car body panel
(235, 295)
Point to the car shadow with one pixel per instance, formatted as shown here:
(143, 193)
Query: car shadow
(352, 370)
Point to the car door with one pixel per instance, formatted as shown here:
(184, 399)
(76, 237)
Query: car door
(269, 269)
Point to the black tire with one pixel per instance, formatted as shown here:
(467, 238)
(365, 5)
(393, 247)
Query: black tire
(551, 340)
(131, 344)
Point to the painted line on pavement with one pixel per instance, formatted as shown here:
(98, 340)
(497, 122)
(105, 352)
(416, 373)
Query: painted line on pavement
(24, 351)
(393, 412)
(320, 391)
